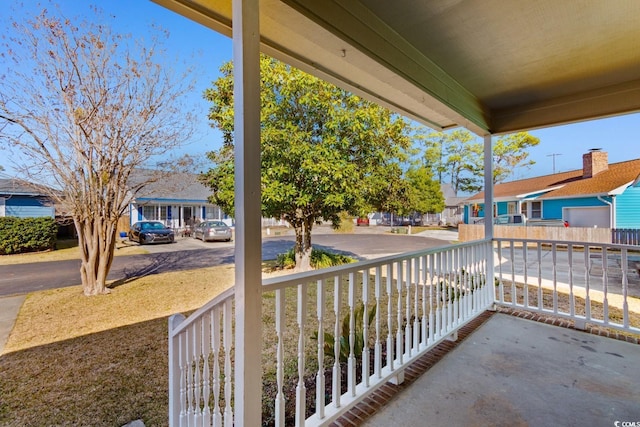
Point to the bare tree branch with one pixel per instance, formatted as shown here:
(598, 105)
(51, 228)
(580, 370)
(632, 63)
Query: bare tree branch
(85, 107)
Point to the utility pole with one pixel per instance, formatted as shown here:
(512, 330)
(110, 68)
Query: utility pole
(554, 160)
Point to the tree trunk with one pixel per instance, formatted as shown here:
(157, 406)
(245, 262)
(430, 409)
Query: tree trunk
(97, 240)
(303, 245)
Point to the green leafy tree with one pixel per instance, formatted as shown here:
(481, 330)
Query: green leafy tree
(510, 153)
(457, 157)
(425, 195)
(324, 150)
(84, 108)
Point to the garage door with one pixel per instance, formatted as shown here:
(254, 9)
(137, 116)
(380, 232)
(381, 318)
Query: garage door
(587, 217)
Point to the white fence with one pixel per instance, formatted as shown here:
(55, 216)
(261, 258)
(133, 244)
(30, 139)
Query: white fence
(338, 334)
(585, 282)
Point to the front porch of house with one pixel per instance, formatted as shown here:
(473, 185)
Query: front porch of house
(308, 348)
(514, 368)
(328, 360)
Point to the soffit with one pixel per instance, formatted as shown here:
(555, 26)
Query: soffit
(492, 66)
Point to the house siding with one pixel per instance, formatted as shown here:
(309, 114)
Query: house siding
(552, 209)
(503, 208)
(628, 208)
(27, 207)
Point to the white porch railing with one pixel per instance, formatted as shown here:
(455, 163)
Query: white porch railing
(585, 282)
(338, 334)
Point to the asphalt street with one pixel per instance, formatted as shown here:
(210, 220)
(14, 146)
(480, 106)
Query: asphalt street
(188, 254)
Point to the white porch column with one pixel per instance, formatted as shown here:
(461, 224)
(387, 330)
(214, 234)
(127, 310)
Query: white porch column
(488, 216)
(488, 187)
(248, 250)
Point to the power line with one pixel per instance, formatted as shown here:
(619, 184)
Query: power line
(554, 160)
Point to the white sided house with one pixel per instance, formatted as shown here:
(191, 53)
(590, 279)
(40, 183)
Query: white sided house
(178, 201)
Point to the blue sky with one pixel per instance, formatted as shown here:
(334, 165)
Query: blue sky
(619, 136)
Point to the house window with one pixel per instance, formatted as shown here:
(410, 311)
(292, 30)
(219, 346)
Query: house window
(536, 210)
(163, 214)
(523, 208)
(511, 207)
(213, 212)
(150, 212)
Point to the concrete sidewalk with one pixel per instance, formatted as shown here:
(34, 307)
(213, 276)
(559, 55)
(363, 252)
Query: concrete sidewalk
(9, 309)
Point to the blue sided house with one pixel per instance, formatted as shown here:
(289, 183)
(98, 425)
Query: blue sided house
(598, 195)
(23, 199)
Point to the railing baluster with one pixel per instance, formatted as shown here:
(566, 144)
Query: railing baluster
(365, 328)
(301, 391)
(474, 271)
(408, 329)
(439, 292)
(337, 375)
(206, 376)
(513, 272)
(191, 391)
(605, 285)
(425, 314)
(625, 286)
(525, 285)
(280, 330)
(500, 278)
(197, 345)
(390, 349)
(432, 320)
(399, 336)
(320, 382)
(351, 361)
(227, 341)
(457, 285)
(416, 303)
(184, 373)
(450, 280)
(377, 364)
(572, 298)
(215, 347)
(554, 260)
(587, 282)
(540, 295)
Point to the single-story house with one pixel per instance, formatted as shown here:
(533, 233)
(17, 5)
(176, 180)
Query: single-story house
(22, 199)
(179, 200)
(453, 207)
(598, 195)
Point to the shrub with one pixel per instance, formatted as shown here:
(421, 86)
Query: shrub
(319, 259)
(345, 345)
(18, 235)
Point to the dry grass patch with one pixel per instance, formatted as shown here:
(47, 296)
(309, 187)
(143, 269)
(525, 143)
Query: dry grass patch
(66, 250)
(99, 361)
(64, 313)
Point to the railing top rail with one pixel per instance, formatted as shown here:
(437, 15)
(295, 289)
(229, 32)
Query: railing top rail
(281, 282)
(219, 299)
(567, 242)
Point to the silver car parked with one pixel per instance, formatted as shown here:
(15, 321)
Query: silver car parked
(212, 230)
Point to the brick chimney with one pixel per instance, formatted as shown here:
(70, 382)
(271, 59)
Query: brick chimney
(594, 162)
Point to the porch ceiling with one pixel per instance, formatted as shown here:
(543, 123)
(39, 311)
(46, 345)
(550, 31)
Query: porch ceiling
(492, 66)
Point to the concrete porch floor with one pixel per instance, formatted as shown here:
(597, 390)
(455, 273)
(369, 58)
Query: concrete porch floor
(516, 372)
